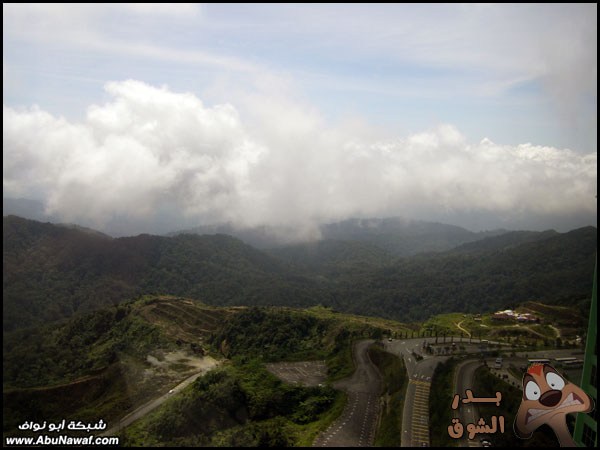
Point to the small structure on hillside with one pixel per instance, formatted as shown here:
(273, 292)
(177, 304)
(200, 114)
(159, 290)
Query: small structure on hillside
(509, 314)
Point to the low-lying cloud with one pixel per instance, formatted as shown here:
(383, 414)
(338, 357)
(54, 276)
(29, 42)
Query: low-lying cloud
(152, 156)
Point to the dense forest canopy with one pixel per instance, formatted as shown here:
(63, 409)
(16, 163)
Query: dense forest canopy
(51, 272)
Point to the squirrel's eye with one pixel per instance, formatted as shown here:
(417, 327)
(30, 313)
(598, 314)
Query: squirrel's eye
(532, 391)
(555, 381)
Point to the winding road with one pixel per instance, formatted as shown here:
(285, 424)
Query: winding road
(357, 425)
(461, 328)
(467, 413)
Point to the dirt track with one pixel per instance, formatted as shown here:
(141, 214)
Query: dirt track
(356, 426)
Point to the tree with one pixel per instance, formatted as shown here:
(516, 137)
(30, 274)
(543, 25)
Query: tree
(272, 433)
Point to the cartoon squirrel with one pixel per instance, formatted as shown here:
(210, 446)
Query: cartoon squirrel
(547, 399)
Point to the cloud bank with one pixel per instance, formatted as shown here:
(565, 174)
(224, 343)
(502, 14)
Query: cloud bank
(150, 155)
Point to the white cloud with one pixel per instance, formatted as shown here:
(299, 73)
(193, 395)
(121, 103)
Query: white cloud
(457, 63)
(149, 148)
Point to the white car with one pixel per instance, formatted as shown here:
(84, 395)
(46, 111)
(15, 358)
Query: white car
(172, 391)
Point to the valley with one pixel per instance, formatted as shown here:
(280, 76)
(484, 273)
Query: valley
(283, 347)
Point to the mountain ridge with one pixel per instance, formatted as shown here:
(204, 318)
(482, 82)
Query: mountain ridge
(395, 235)
(52, 272)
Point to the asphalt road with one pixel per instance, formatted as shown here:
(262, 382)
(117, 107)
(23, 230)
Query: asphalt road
(152, 404)
(415, 418)
(357, 425)
(467, 413)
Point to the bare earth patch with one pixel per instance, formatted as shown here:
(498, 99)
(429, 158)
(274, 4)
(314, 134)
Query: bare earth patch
(308, 373)
(174, 365)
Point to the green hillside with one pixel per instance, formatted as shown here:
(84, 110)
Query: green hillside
(505, 241)
(403, 237)
(557, 270)
(109, 362)
(554, 322)
(332, 258)
(51, 272)
(394, 235)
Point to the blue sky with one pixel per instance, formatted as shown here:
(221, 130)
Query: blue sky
(488, 69)
(512, 74)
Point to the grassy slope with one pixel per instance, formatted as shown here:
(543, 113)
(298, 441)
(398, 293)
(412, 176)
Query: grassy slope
(568, 320)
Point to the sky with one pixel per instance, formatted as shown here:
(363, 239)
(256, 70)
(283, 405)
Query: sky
(152, 118)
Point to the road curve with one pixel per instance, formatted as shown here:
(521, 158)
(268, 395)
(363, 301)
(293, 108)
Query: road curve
(356, 426)
(461, 328)
(467, 413)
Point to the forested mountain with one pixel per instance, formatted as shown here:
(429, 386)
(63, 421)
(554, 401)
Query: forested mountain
(50, 271)
(332, 258)
(396, 236)
(559, 269)
(505, 241)
(402, 237)
(261, 237)
(53, 271)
